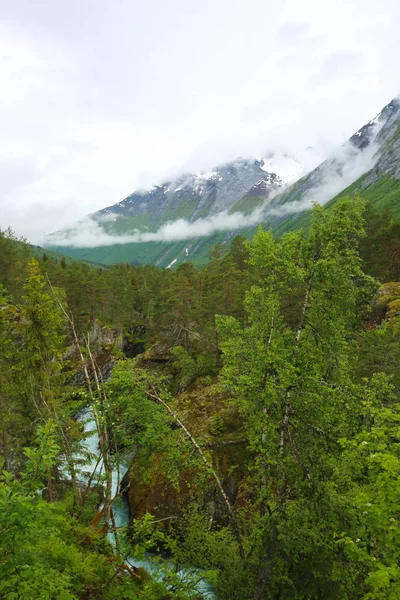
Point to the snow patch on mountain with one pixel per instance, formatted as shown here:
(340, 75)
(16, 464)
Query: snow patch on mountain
(288, 168)
(171, 263)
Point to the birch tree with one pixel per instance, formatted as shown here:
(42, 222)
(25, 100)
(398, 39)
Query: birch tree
(289, 370)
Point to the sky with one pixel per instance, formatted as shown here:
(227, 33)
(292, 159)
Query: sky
(101, 97)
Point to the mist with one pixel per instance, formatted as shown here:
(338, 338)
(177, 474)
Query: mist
(89, 233)
(331, 178)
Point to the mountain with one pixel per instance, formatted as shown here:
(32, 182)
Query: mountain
(369, 164)
(198, 211)
(190, 196)
(235, 187)
(381, 184)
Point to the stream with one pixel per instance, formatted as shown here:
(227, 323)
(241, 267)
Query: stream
(120, 506)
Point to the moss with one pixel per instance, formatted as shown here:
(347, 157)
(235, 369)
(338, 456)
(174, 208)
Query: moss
(387, 293)
(385, 305)
(158, 353)
(393, 310)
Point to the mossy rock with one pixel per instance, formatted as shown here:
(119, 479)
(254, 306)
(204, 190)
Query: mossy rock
(393, 310)
(152, 492)
(209, 414)
(158, 353)
(385, 304)
(387, 293)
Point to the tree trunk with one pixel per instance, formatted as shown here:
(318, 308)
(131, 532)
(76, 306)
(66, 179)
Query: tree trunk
(265, 569)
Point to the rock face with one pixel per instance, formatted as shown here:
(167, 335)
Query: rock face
(388, 140)
(154, 494)
(104, 360)
(380, 129)
(158, 353)
(193, 196)
(104, 342)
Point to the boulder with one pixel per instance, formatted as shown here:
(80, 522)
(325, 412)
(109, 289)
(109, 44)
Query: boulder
(158, 353)
(386, 304)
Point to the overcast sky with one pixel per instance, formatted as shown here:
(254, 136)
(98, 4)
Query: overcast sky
(100, 97)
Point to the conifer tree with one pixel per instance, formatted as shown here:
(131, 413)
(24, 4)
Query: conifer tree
(44, 332)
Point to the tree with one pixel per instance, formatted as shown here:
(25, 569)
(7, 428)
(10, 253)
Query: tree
(43, 328)
(288, 368)
(44, 553)
(14, 254)
(7, 417)
(367, 477)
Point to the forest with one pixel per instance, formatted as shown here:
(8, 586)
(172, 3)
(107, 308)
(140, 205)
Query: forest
(250, 409)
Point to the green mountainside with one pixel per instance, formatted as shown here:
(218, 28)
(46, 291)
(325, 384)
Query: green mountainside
(237, 186)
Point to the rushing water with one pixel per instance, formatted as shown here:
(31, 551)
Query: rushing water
(90, 446)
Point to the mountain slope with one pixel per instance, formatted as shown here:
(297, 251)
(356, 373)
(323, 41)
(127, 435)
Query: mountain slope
(380, 184)
(190, 197)
(243, 193)
(368, 164)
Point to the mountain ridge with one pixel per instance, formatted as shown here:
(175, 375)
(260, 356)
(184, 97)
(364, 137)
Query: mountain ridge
(242, 192)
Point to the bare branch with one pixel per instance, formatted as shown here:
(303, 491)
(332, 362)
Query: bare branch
(153, 394)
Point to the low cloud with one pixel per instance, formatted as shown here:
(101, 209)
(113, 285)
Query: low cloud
(107, 217)
(331, 178)
(89, 234)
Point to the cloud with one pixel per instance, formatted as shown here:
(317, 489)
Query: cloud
(107, 217)
(89, 233)
(108, 97)
(292, 31)
(338, 65)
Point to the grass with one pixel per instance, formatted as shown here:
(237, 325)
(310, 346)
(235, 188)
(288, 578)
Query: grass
(247, 204)
(384, 194)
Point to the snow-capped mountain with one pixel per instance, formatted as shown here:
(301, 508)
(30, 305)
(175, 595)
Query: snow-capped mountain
(235, 186)
(289, 167)
(371, 153)
(196, 195)
(180, 220)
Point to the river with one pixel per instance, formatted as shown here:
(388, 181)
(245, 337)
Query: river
(121, 510)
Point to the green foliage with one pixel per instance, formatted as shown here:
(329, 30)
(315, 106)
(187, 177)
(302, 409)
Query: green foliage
(215, 552)
(43, 552)
(217, 425)
(289, 368)
(368, 473)
(139, 423)
(306, 439)
(185, 365)
(44, 333)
